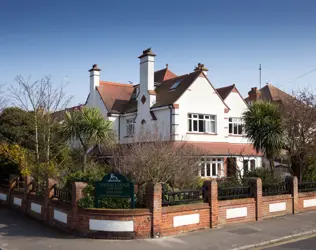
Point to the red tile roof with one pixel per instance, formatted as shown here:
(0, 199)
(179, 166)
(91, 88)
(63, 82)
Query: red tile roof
(225, 148)
(115, 95)
(163, 75)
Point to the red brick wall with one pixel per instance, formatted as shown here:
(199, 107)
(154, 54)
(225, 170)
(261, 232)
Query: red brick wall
(141, 218)
(61, 207)
(4, 191)
(37, 200)
(267, 200)
(249, 203)
(168, 214)
(305, 196)
(20, 195)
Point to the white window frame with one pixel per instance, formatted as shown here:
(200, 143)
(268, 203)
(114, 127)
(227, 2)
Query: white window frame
(208, 120)
(235, 122)
(130, 127)
(208, 164)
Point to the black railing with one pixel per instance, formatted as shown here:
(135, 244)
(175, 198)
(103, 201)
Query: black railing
(306, 187)
(170, 198)
(229, 193)
(62, 195)
(38, 188)
(275, 189)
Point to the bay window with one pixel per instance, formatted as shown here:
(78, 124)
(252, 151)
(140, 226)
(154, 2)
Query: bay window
(236, 126)
(201, 123)
(212, 167)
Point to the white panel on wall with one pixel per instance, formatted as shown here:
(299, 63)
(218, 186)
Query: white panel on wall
(60, 216)
(3, 197)
(276, 207)
(309, 203)
(111, 225)
(17, 201)
(183, 220)
(236, 212)
(36, 208)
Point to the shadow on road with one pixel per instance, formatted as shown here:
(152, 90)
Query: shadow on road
(15, 224)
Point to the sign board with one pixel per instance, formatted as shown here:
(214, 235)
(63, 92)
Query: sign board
(114, 186)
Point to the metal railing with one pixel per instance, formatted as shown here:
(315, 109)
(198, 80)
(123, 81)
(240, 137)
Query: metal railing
(230, 193)
(170, 198)
(63, 195)
(306, 187)
(275, 189)
(38, 188)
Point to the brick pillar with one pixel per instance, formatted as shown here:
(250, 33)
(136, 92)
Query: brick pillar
(27, 188)
(76, 195)
(212, 194)
(12, 185)
(256, 191)
(292, 184)
(154, 201)
(47, 195)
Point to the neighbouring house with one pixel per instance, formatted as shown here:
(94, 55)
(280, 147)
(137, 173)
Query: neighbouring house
(180, 108)
(267, 93)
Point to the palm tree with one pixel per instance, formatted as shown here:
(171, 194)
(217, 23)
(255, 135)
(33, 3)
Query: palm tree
(263, 126)
(89, 127)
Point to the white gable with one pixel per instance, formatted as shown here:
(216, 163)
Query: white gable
(200, 98)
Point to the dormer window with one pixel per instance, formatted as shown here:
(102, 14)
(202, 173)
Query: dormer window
(175, 85)
(135, 93)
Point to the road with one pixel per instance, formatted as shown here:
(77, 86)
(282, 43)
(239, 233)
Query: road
(304, 244)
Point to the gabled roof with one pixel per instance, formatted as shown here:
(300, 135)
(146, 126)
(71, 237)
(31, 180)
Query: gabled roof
(272, 93)
(164, 74)
(166, 97)
(115, 95)
(225, 91)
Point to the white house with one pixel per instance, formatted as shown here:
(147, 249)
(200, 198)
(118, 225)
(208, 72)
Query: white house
(185, 107)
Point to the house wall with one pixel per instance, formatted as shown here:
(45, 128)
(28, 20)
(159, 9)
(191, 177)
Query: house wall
(200, 98)
(237, 108)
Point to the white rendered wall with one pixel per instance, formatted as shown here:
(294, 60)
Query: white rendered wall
(200, 98)
(237, 108)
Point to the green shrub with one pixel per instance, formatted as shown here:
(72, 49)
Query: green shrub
(264, 174)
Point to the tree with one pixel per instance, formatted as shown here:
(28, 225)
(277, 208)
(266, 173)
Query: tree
(42, 100)
(299, 121)
(150, 158)
(264, 128)
(89, 127)
(16, 126)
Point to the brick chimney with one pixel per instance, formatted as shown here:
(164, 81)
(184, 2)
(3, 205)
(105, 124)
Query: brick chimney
(254, 94)
(94, 83)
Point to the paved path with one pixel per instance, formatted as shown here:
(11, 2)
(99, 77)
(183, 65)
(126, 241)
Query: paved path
(20, 232)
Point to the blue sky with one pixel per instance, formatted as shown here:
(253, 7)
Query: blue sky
(63, 38)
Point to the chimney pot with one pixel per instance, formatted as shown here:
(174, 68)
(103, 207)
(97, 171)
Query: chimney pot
(147, 52)
(94, 68)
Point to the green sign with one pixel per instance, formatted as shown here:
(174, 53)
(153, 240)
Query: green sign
(114, 186)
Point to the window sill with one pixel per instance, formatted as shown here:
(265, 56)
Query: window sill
(200, 133)
(232, 135)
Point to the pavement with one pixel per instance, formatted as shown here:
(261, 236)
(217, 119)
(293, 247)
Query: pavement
(19, 232)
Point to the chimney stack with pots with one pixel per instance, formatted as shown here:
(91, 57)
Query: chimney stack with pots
(94, 83)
